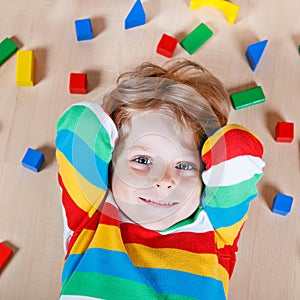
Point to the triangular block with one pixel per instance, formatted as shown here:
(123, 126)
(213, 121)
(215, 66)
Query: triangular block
(136, 16)
(254, 53)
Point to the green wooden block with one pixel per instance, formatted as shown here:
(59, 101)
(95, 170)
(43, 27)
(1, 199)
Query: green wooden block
(248, 97)
(7, 49)
(196, 38)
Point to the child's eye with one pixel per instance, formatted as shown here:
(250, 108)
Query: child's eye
(142, 160)
(185, 166)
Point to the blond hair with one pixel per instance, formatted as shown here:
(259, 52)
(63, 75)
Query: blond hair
(181, 89)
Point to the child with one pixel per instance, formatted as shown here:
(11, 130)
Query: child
(140, 224)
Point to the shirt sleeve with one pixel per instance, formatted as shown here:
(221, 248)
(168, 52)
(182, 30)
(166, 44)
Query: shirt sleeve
(85, 140)
(233, 166)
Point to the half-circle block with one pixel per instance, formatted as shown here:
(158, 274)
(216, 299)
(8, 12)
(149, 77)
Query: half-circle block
(230, 10)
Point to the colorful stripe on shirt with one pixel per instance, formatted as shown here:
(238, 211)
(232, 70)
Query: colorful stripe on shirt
(110, 259)
(233, 167)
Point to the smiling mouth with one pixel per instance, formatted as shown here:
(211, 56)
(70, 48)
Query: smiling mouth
(158, 203)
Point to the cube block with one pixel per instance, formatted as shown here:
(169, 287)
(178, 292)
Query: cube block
(78, 83)
(7, 49)
(166, 45)
(5, 253)
(33, 160)
(83, 29)
(25, 68)
(248, 97)
(194, 40)
(282, 204)
(284, 132)
(136, 16)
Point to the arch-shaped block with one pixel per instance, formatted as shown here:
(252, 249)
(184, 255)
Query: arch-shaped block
(229, 9)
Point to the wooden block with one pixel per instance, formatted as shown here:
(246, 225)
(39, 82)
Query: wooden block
(136, 16)
(7, 49)
(78, 83)
(193, 41)
(229, 9)
(33, 160)
(166, 45)
(5, 253)
(25, 68)
(248, 97)
(83, 29)
(254, 53)
(282, 204)
(284, 132)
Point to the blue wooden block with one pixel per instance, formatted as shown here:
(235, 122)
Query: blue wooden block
(254, 53)
(83, 29)
(33, 160)
(136, 16)
(282, 204)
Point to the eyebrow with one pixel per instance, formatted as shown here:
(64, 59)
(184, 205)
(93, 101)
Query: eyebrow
(140, 148)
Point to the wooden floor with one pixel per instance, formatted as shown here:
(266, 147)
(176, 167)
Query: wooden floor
(268, 265)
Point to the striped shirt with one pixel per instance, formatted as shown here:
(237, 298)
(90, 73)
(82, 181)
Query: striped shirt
(110, 257)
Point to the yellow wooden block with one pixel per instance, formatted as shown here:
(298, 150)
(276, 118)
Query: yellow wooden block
(25, 68)
(229, 9)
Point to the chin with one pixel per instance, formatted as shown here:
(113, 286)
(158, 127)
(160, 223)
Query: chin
(162, 225)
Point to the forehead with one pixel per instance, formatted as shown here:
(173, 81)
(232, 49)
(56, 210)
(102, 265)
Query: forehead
(156, 127)
(154, 122)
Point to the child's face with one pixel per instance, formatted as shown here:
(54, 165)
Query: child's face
(156, 180)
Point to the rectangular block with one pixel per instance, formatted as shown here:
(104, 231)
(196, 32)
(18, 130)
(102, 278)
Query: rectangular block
(196, 38)
(25, 68)
(83, 29)
(7, 49)
(248, 97)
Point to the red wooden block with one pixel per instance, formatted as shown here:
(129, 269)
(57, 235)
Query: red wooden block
(284, 132)
(5, 253)
(166, 45)
(78, 82)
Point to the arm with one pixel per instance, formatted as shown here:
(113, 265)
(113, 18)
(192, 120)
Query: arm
(233, 167)
(85, 140)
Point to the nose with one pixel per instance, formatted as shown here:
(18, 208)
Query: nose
(167, 181)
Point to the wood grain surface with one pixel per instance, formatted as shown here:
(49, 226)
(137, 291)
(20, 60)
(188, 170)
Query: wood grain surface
(268, 264)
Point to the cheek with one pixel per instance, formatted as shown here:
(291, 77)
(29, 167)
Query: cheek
(189, 190)
(118, 187)
(189, 184)
(122, 191)
(136, 178)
